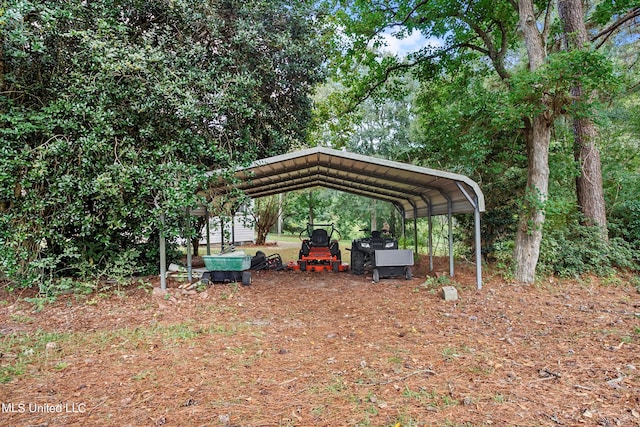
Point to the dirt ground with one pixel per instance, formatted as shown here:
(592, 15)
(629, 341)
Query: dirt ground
(327, 349)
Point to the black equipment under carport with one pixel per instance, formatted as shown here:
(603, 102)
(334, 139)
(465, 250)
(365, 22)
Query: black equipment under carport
(263, 262)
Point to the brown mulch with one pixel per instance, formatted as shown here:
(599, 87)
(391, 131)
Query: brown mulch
(327, 349)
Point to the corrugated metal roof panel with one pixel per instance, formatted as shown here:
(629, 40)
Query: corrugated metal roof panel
(417, 190)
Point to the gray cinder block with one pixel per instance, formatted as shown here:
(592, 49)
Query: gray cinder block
(449, 293)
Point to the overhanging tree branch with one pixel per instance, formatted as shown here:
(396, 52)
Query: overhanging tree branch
(496, 56)
(389, 71)
(547, 20)
(410, 13)
(611, 29)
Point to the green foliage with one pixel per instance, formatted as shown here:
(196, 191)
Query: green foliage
(570, 249)
(383, 127)
(112, 113)
(348, 212)
(552, 84)
(621, 158)
(466, 124)
(503, 255)
(456, 39)
(607, 9)
(578, 249)
(478, 96)
(624, 223)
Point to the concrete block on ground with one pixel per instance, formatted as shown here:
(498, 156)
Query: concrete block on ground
(449, 293)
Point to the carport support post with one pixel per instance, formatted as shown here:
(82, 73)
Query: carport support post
(188, 241)
(415, 227)
(450, 225)
(476, 215)
(208, 230)
(404, 231)
(233, 228)
(163, 255)
(430, 222)
(476, 218)
(221, 234)
(279, 214)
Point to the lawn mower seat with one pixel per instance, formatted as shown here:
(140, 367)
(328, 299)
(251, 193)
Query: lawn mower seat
(320, 237)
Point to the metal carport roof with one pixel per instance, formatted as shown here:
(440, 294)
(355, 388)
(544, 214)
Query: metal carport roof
(417, 191)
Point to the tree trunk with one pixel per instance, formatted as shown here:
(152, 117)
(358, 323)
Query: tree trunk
(537, 136)
(311, 200)
(589, 191)
(195, 241)
(266, 215)
(374, 215)
(529, 234)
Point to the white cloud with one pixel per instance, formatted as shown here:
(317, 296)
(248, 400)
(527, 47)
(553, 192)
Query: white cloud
(412, 43)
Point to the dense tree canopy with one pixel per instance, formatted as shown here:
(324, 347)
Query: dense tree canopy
(512, 79)
(113, 112)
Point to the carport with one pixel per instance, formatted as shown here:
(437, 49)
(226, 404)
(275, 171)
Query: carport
(416, 192)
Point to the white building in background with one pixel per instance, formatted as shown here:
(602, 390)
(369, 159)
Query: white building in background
(240, 229)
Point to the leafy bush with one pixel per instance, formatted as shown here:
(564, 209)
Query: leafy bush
(92, 154)
(577, 250)
(624, 223)
(503, 254)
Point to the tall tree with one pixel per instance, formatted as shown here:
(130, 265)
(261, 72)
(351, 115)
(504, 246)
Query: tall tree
(466, 37)
(589, 189)
(384, 126)
(464, 33)
(607, 20)
(537, 136)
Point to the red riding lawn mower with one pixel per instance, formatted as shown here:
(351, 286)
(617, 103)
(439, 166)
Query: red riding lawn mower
(319, 251)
